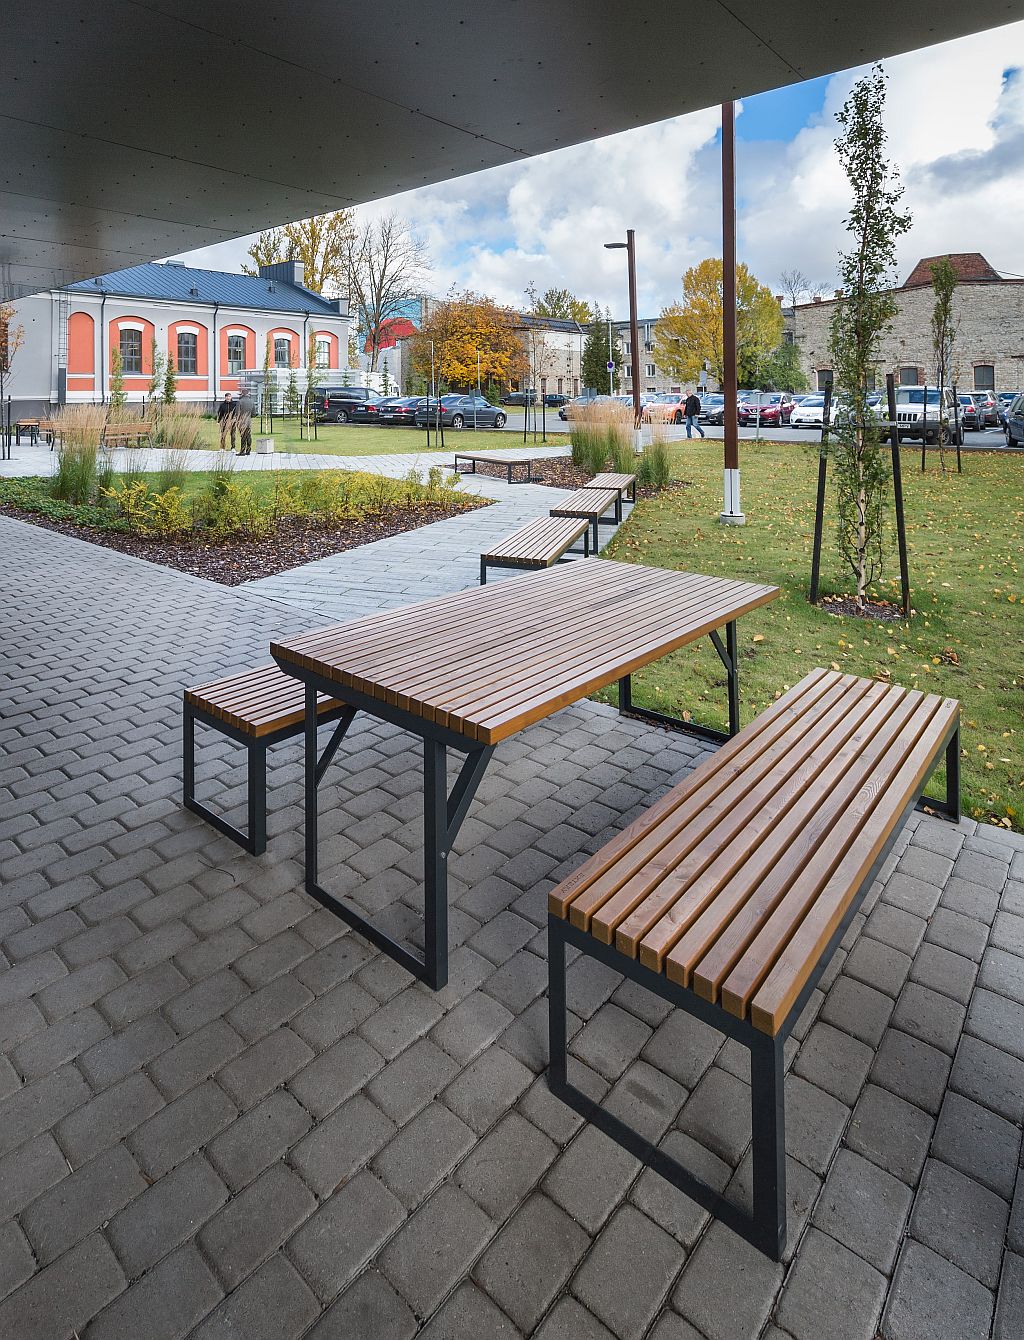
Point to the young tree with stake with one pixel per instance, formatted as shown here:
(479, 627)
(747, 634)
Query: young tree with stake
(945, 328)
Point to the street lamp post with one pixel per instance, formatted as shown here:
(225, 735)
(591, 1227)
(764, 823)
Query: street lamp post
(634, 331)
(732, 513)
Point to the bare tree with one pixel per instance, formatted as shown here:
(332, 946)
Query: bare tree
(797, 288)
(386, 265)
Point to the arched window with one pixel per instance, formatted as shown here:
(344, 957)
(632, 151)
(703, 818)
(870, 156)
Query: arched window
(129, 343)
(236, 354)
(188, 353)
(984, 377)
(282, 352)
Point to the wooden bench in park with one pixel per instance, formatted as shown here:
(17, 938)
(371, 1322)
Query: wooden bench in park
(121, 432)
(538, 544)
(729, 895)
(594, 504)
(626, 484)
(30, 426)
(257, 708)
(492, 458)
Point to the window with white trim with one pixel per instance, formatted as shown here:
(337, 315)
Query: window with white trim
(323, 353)
(188, 353)
(129, 343)
(236, 353)
(282, 352)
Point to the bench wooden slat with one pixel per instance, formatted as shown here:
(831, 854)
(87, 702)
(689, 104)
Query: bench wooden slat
(539, 543)
(492, 458)
(734, 883)
(611, 481)
(259, 702)
(588, 502)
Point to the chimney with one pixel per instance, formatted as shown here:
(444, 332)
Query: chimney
(778, 298)
(817, 297)
(286, 272)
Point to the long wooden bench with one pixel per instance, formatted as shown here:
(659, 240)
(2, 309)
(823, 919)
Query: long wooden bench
(729, 896)
(538, 544)
(594, 505)
(492, 458)
(118, 433)
(257, 708)
(626, 484)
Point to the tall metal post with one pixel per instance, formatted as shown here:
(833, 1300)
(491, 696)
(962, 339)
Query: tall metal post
(634, 329)
(611, 361)
(897, 485)
(732, 512)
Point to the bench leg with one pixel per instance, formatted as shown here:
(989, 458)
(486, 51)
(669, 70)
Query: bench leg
(768, 1128)
(596, 541)
(483, 573)
(953, 777)
(257, 799)
(255, 841)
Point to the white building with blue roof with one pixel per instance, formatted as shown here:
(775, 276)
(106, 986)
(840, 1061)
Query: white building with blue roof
(216, 327)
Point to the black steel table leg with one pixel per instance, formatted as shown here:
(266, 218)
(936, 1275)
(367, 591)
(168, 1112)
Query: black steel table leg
(435, 863)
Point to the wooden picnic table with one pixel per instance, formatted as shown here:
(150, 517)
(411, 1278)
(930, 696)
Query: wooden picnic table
(466, 671)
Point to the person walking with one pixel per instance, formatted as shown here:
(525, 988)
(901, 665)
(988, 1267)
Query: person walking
(691, 409)
(226, 420)
(243, 418)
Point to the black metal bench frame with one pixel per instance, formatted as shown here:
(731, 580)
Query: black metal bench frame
(765, 1227)
(600, 519)
(729, 657)
(509, 465)
(255, 839)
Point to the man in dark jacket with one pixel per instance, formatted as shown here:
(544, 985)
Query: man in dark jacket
(226, 420)
(243, 417)
(691, 409)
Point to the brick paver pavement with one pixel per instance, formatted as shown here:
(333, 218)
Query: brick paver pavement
(222, 1114)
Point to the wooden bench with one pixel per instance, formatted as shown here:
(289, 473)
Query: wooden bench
(626, 484)
(593, 504)
(257, 708)
(539, 544)
(119, 433)
(492, 458)
(30, 426)
(729, 896)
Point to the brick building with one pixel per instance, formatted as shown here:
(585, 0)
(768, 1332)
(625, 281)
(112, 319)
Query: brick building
(989, 350)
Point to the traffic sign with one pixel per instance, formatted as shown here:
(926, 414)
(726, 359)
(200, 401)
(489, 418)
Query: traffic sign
(610, 366)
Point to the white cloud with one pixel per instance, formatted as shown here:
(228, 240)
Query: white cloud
(956, 132)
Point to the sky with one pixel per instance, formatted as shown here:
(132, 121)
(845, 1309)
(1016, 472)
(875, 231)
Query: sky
(955, 116)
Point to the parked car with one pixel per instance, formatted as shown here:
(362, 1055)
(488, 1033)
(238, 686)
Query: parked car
(971, 415)
(460, 411)
(919, 412)
(581, 402)
(519, 398)
(1003, 402)
(666, 409)
(1015, 422)
(344, 404)
(715, 412)
(987, 403)
(554, 399)
(710, 404)
(808, 414)
(399, 409)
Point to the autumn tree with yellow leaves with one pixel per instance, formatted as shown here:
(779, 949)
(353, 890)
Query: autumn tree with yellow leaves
(688, 334)
(462, 326)
(320, 244)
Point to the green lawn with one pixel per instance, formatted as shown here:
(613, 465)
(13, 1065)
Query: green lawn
(337, 439)
(966, 556)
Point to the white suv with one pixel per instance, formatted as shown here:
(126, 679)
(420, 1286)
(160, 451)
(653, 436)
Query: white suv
(921, 418)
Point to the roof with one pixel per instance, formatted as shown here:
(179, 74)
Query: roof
(180, 283)
(971, 268)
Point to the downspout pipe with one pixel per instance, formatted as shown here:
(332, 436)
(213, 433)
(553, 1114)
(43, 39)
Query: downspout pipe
(103, 349)
(213, 356)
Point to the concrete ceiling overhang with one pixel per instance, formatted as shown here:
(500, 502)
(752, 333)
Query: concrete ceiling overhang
(133, 129)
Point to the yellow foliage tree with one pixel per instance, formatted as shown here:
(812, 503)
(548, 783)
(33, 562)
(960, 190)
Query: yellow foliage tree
(321, 244)
(689, 333)
(12, 337)
(460, 327)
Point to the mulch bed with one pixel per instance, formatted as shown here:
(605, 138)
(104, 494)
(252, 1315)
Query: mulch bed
(296, 540)
(878, 611)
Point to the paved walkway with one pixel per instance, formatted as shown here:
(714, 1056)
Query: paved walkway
(224, 1115)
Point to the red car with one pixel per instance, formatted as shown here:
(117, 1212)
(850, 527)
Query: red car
(770, 408)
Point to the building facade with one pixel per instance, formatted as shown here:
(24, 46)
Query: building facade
(989, 351)
(216, 328)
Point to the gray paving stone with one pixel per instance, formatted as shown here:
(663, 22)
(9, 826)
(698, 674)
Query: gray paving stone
(530, 1260)
(125, 1052)
(895, 927)
(471, 1026)
(960, 934)
(865, 1208)
(84, 987)
(626, 1276)
(671, 1208)
(506, 1165)
(998, 1021)
(371, 1310)
(423, 1153)
(834, 1061)
(344, 1234)
(610, 1040)
(486, 1088)
(980, 869)
(979, 1143)
(945, 972)
(671, 1326)
(108, 1118)
(878, 965)
(891, 1132)
(273, 1304)
(569, 1320)
(469, 1315)
(911, 1069)
(394, 1026)
(1010, 1299)
(259, 1138)
(341, 1144)
(164, 1304)
(39, 1105)
(181, 1128)
(169, 1213)
(17, 1262)
(972, 900)
(81, 1202)
(858, 1010)
(932, 1297)
(264, 1066)
(434, 1248)
(333, 1014)
(830, 1281)
(961, 1220)
(28, 1171)
(934, 1018)
(196, 1058)
(1004, 973)
(255, 1223)
(991, 1077)
(412, 1080)
(815, 1122)
(728, 1287)
(717, 1115)
(61, 1298)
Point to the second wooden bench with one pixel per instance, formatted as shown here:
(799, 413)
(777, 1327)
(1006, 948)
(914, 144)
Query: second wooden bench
(539, 544)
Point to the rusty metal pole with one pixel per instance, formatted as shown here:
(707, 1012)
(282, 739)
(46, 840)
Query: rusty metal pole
(634, 329)
(732, 513)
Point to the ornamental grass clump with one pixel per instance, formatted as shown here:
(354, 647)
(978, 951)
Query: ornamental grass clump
(598, 433)
(181, 428)
(79, 429)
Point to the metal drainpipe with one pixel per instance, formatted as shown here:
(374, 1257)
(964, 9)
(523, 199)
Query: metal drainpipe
(216, 309)
(103, 350)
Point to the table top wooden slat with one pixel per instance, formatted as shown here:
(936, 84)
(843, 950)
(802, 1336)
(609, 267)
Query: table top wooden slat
(734, 883)
(492, 659)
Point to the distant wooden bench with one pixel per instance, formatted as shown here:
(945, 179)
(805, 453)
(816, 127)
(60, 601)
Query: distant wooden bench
(492, 458)
(257, 708)
(729, 895)
(120, 432)
(626, 484)
(594, 504)
(30, 426)
(539, 544)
